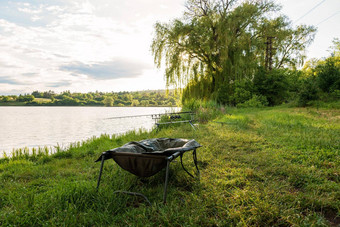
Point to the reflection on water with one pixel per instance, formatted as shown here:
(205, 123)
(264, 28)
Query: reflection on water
(48, 126)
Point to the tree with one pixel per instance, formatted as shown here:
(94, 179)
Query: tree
(5, 99)
(135, 102)
(273, 85)
(326, 72)
(329, 74)
(48, 94)
(108, 101)
(29, 98)
(68, 101)
(127, 97)
(144, 103)
(37, 94)
(218, 42)
(25, 98)
(308, 91)
(291, 45)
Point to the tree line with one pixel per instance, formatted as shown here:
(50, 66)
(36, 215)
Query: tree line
(242, 53)
(67, 98)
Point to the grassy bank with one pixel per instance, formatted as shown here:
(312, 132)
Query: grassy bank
(260, 167)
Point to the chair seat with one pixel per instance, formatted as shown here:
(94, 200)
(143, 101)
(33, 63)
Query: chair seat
(147, 157)
(141, 165)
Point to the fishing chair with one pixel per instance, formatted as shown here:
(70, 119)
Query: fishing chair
(147, 157)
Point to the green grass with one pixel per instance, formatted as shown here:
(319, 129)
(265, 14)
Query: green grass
(263, 167)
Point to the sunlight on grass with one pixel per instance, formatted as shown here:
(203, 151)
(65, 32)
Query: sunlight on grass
(262, 167)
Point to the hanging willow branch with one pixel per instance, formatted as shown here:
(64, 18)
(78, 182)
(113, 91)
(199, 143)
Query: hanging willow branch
(219, 41)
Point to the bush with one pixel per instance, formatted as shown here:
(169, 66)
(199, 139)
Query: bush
(309, 91)
(273, 85)
(205, 114)
(329, 75)
(235, 93)
(205, 110)
(223, 94)
(242, 91)
(191, 105)
(335, 94)
(256, 101)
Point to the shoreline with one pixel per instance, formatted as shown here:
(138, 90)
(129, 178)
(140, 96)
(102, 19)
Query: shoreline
(52, 149)
(35, 128)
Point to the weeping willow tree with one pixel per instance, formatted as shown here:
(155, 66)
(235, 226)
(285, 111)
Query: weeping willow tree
(218, 42)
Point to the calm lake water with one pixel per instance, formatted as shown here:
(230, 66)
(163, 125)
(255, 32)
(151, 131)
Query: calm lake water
(48, 126)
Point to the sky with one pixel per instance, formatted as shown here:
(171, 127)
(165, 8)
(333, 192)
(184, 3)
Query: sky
(104, 45)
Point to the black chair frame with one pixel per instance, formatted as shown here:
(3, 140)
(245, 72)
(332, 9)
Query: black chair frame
(168, 159)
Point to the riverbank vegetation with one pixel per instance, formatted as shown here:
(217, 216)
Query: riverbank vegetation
(66, 98)
(274, 166)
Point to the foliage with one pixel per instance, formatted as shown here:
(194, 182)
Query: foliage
(257, 101)
(273, 85)
(46, 94)
(108, 101)
(224, 93)
(218, 44)
(321, 78)
(25, 98)
(328, 74)
(273, 88)
(309, 91)
(197, 89)
(66, 98)
(205, 114)
(144, 103)
(204, 110)
(135, 102)
(242, 92)
(5, 99)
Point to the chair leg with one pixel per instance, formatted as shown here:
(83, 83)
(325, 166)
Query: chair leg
(166, 181)
(101, 170)
(194, 155)
(184, 167)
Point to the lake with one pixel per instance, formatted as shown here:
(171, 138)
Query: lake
(49, 126)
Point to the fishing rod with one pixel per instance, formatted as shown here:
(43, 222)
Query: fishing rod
(152, 115)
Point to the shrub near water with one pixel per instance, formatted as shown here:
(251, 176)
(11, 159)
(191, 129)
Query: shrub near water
(256, 101)
(204, 110)
(263, 167)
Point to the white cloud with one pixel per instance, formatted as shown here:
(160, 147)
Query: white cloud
(119, 68)
(91, 33)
